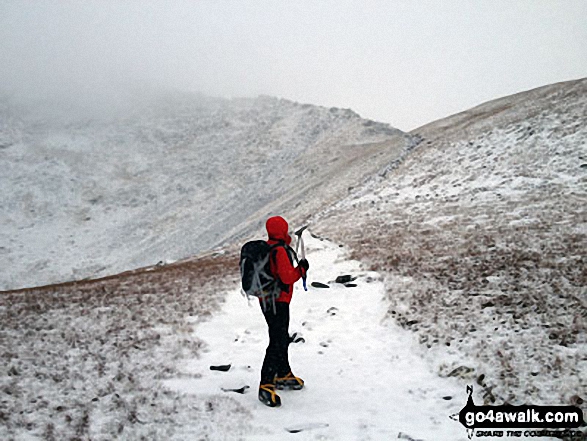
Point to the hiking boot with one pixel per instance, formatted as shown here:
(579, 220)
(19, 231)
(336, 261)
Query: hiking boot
(267, 395)
(290, 381)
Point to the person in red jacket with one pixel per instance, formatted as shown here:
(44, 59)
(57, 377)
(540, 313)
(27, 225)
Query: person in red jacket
(276, 372)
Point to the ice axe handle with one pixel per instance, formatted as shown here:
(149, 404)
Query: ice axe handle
(301, 241)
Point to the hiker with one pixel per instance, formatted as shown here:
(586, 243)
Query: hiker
(276, 372)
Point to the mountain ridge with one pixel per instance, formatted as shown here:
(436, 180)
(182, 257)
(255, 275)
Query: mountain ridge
(478, 234)
(90, 195)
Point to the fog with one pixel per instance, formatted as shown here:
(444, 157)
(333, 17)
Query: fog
(401, 62)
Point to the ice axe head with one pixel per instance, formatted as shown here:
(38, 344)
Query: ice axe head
(301, 241)
(300, 231)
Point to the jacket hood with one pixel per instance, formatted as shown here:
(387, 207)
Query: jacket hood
(278, 229)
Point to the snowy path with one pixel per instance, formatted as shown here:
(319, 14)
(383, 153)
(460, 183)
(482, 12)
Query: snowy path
(364, 379)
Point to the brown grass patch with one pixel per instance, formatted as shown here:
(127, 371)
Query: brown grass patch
(84, 360)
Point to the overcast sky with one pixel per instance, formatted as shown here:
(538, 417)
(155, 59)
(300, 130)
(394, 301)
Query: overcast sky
(405, 62)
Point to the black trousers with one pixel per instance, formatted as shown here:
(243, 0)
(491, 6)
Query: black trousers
(276, 357)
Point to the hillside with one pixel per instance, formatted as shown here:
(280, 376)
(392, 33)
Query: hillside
(481, 233)
(89, 191)
(128, 357)
(478, 233)
(86, 360)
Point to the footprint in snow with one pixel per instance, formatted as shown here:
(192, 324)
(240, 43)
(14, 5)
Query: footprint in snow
(332, 310)
(406, 437)
(296, 338)
(240, 390)
(304, 427)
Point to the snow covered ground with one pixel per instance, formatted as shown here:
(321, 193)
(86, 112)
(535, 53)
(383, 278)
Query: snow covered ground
(129, 358)
(480, 233)
(88, 193)
(365, 378)
(86, 360)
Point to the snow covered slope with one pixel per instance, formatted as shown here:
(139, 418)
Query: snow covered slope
(479, 232)
(129, 358)
(95, 190)
(482, 233)
(365, 378)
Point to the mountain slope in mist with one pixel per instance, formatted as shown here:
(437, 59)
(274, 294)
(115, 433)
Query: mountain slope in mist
(88, 193)
(479, 232)
(482, 233)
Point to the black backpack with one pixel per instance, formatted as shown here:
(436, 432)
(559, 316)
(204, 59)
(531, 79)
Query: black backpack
(255, 266)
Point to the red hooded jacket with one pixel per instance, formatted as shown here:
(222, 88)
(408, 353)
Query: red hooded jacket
(281, 267)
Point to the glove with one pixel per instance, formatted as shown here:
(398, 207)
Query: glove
(304, 265)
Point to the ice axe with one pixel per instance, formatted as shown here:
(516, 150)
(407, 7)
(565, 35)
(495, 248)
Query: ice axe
(300, 246)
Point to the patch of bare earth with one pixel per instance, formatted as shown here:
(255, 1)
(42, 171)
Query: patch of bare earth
(85, 360)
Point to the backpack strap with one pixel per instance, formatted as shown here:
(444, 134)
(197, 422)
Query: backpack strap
(291, 254)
